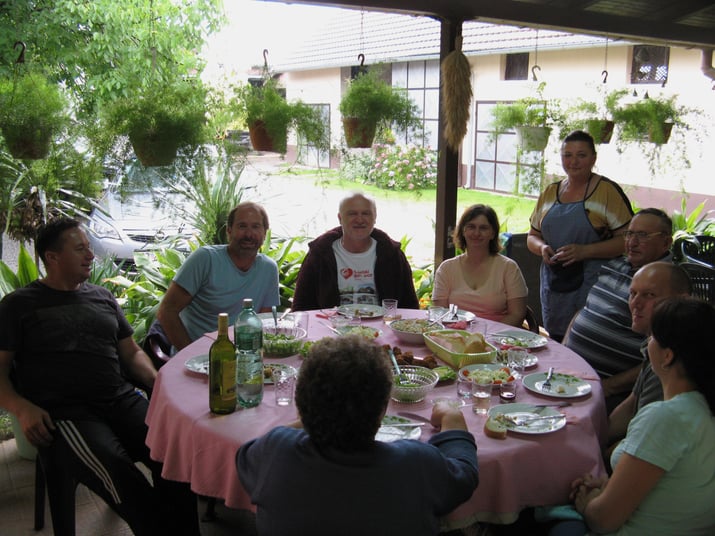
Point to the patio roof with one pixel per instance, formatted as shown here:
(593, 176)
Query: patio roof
(688, 23)
(672, 22)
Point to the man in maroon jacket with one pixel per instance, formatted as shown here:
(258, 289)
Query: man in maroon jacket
(354, 263)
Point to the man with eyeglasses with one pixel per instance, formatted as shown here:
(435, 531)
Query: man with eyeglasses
(216, 279)
(601, 332)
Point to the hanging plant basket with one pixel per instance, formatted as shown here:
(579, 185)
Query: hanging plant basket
(32, 112)
(155, 149)
(30, 146)
(260, 139)
(532, 138)
(358, 133)
(600, 129)
(659, 133)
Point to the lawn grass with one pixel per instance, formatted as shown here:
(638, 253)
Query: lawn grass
(513, 211)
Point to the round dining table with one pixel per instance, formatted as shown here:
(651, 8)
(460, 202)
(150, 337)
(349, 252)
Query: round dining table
(523, 470)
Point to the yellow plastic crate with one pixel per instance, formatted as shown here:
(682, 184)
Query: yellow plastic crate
(454, 359)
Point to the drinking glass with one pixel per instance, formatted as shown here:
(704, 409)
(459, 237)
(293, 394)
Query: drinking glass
(481, 397)
(464, 386)
(507, 392)
(516, 359)
(389, 307)
(283, 383)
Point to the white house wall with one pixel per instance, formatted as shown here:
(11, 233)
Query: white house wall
(569, 74)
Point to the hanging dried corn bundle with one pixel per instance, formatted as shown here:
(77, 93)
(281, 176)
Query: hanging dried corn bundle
(457, 95)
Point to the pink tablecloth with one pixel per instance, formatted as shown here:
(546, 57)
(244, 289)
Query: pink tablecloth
(523, 470)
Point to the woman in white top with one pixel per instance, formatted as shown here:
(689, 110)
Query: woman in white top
(481, 280)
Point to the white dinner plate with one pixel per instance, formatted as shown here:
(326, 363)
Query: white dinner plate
(200, 365)
(387, 433)
(528, 411)
(363, 310)
(562, 385)
(519, 337)
(482, 366)
(463, 316)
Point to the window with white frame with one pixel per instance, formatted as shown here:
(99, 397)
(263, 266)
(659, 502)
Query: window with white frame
(421, 78)
(498, 164)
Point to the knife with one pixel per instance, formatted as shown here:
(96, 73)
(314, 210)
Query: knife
(413, 416)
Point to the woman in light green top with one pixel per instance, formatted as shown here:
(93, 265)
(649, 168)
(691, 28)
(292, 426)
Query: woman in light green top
(663, 480)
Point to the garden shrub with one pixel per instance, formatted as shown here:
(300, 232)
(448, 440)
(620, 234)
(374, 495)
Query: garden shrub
(404, 167)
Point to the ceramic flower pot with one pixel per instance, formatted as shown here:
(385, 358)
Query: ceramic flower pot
(358, 133)
(532, 138)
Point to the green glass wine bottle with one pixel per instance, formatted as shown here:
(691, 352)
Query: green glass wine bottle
(222, 371)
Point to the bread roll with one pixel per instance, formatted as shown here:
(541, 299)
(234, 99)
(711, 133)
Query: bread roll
(494, 429)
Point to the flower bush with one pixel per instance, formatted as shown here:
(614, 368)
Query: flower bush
(407, 167)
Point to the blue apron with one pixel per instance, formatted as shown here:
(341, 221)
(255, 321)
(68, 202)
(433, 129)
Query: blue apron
(566, 224)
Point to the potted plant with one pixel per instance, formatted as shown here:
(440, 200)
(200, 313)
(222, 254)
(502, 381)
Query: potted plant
(370, 104)
(269, 117)
(532, 118)
(160, 118)
(32, 111)
(595, 117)
(650, 119)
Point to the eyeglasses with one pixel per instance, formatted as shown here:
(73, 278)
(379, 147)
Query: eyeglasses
(642, 236)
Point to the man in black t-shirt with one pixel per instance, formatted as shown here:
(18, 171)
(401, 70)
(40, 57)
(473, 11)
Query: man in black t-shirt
(62, 343)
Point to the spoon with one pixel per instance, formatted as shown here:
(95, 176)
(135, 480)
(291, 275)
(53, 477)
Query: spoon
(275, 317)
(397, 367)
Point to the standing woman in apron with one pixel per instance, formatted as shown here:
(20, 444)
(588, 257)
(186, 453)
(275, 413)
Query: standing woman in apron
(576, 226)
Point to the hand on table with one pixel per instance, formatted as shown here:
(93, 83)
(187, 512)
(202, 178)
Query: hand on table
(447, 417)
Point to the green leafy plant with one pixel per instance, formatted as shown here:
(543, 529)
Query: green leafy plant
(266, 107)
(26, 273)
(160, 118)
(651, 119)
(536, 111)
(211, 182)
(694, 223)
(407, 167)
(594, 116)
(377, 106)
(32, 112)
(289, 261)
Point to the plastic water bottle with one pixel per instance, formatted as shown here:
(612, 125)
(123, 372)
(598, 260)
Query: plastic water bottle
(222, 371)
(248, 337)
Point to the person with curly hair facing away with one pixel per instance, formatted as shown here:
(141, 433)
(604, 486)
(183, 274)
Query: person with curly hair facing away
(332, 477)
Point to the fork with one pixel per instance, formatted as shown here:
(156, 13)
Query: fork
(519, 421)
(546, 386)
(453, 309)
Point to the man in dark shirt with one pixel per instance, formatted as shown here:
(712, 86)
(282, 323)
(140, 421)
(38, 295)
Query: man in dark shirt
(63, 342)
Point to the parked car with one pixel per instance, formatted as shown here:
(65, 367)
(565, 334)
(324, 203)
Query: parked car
(140, 220)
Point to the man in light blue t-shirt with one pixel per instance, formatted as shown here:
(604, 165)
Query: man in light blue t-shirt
(216, 279)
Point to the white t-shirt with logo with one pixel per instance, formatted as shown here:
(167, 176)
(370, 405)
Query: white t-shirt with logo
(356, 274)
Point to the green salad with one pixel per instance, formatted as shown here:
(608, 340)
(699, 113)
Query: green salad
(281, 345)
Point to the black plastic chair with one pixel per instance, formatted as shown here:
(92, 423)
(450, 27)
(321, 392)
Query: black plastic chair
(695, 249)
(157, 345)
(702, 278)
(530, 320)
